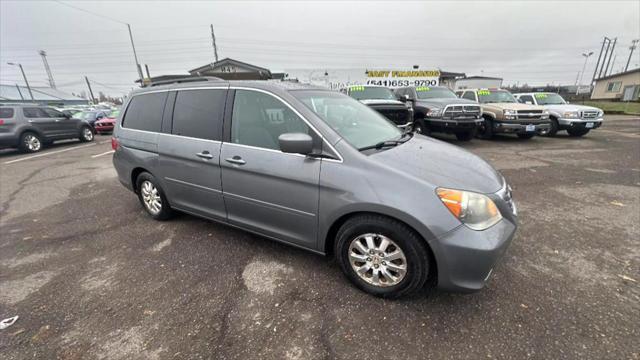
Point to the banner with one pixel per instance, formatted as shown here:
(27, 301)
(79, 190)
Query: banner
(336, 79)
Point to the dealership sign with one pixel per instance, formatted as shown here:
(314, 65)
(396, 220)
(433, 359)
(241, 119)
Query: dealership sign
(340, 78)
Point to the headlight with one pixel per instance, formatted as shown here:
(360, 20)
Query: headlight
(601, 113)
(434, 112)
(571, 114)
(476, 211)
(510, 112)
(545, 114)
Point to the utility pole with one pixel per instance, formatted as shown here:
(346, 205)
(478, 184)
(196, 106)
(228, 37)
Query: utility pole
(610, 55)
(135, 56)
(215, 48)
(25, 78)
(47, 68)
(631, 48)
(599, 58)
(93, 99)
(584, 67)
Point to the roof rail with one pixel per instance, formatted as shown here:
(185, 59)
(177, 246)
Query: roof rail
(186, 79)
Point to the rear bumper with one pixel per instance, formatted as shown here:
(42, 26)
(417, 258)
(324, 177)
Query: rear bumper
(467, 257)
(8, 140)
(521, 128)
(450, 125)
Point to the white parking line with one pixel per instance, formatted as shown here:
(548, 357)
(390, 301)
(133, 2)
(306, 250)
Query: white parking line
(104, 153)
(48, 153)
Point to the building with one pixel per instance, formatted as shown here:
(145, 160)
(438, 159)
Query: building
(624, 86)
(449, 79)
(476, 82)
(230, 69)
(41, 95)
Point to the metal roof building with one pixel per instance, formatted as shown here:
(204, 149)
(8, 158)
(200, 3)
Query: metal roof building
(41, 95)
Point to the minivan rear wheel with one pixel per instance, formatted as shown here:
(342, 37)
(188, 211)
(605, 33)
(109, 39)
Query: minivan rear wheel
(382, 256)
(152, 197)
(30, 142)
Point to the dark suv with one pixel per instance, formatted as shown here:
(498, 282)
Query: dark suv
(382, 100)
(438, 109)
(30, 127)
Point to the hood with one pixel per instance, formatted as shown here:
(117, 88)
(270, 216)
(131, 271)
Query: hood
(381, 102)
(442, 165)
(441, 102)
(513, 106)
(570, 107)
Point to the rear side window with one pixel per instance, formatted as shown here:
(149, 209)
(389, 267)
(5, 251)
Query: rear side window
(145, 112)
(199, 113)
(6, 113)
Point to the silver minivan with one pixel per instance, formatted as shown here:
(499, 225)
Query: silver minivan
(316, 169)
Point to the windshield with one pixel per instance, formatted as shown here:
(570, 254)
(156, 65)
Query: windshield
(425, 92)
(495, 96)
(370, 92)
(357, 123)
(549, 99)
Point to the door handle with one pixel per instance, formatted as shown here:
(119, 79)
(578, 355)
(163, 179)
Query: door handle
(235, 160)
(205, 155)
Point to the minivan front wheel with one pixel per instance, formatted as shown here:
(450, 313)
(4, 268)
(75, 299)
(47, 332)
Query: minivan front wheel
(152, 197)
(382, 256)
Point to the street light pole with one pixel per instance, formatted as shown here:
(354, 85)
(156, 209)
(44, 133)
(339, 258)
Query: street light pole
(25, 78)
(135, 56)
(584, 67)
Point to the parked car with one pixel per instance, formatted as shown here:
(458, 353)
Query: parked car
(91, 116)
(577, 120)
(70, 112)
(105, 125)
(382, 100)
(438, 109)
(318, 170)
(31, 127)
(504, 114)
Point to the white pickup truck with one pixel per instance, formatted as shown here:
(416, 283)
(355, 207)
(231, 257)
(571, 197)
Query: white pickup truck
(578, 120)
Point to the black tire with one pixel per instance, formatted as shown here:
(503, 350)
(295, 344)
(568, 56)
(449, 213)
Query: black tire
(30, 142)
(553, 128)
(414, 248)
(526, 136)
(419, 127)
(485, 130)
(86, 134)
(577, 132)
(466, 136)
(165, 211)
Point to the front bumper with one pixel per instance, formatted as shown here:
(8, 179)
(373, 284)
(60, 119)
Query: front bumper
(566, 123)
(451, 125)
(521, 128)
(100, 127)
(467, 257)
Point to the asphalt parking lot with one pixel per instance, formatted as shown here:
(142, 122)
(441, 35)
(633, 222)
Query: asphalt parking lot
(92, 276)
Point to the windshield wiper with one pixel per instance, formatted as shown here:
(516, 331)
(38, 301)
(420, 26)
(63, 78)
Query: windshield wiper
(388, 143)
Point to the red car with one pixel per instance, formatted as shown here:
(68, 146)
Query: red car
(106, 125)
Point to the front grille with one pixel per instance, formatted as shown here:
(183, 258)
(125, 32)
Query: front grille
(590, 114)
(397, 116)
(462, 111)
(529, 114)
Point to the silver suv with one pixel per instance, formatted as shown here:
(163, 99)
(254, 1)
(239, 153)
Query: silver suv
(31, 127)
(319, 170)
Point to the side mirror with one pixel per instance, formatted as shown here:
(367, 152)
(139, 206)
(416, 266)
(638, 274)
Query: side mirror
(296, 143)
(66, 115)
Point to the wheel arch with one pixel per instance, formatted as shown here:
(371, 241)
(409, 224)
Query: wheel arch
(134, 177)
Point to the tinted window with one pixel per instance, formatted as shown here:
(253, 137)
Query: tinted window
(199, 113)
(259, 119)
(33, 112)
(525, 98)
(6, 113)
(53, 113)
(469, 95)
(145, 112)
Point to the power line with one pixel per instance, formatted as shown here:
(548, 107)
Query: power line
(91, 12)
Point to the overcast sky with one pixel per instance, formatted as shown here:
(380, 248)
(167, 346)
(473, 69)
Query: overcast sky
(535, 42)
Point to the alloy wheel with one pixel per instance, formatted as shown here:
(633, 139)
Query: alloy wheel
(32, 142)
(151, 197)
(377, 260)
(87, 134)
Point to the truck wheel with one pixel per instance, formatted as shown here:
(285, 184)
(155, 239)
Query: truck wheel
(30, 142)
(553, 129)
(420, 128)
(526, 136)
(382, 256)
(86, 134)
(466, 136)
(485, 130)
(577, 132)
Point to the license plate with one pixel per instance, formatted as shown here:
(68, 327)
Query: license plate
(531, 128)
(589, 125)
